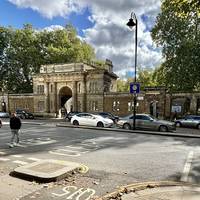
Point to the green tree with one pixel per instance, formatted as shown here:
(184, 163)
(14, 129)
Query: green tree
(63, 46)
(145, 78)
(23, 51)
(177, 31)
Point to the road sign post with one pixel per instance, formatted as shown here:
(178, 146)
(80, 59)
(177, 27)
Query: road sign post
(134, 89)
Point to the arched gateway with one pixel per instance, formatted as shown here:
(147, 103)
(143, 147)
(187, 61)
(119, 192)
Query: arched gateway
(76, 86)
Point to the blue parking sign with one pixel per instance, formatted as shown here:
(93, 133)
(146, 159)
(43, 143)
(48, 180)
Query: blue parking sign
(134, 88)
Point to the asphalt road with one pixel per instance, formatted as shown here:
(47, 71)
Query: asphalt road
(113, 158)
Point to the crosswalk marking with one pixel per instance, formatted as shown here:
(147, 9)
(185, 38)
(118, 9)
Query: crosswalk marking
(2, 153)
(34, 159)
(17, 156)
(20, 162)
(4, 159)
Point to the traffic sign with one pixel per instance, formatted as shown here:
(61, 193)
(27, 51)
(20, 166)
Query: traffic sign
(134, 88)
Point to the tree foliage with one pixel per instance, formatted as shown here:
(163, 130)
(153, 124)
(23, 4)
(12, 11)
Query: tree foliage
(23, 51)
(146, 78)
(177, 30)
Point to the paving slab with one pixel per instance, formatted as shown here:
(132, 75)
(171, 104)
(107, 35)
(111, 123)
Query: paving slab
(12, 188)
(46, 170)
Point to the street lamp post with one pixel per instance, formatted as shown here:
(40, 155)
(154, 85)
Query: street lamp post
(131, 23)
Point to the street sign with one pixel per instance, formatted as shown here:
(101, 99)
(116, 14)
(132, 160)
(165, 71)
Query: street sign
(134, 88)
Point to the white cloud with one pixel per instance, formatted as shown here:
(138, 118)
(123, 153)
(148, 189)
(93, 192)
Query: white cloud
(53, 28)
(110, 36)
(49, 8)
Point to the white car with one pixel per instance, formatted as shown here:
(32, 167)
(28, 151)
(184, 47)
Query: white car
(88, 119)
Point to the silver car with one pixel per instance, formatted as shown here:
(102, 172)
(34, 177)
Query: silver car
(146, 122)
(190, 121)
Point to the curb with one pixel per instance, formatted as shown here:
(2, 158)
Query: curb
(174, 134)
(141, 186)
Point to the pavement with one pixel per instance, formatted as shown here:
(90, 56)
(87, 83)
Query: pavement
(156, 191)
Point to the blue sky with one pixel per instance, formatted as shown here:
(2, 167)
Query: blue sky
(11, 15)
(101, 23)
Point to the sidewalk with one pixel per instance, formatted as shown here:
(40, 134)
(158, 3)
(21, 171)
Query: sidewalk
(157, 191)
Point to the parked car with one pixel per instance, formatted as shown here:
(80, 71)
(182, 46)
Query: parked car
(189, 121)
(23, 114)
(109, 116)
(69, 115)
(4, 115)
(88, 119)
(146, 122)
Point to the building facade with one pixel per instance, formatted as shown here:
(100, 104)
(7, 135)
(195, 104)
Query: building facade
(93, 88)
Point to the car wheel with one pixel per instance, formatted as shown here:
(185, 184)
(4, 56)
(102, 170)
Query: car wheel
(127, 126)
(198, 126)
(163, 128)
(75, 122)
(178, 124)
(23, 117)
(100, 124)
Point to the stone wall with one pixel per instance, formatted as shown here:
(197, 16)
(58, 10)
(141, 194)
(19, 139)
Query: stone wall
(20, 101)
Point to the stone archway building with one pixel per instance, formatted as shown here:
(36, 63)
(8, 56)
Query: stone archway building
(76, 87)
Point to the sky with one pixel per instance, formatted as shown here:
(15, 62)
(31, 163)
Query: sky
(101, 23)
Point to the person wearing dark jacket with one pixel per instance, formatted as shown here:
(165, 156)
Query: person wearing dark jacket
(15, 125)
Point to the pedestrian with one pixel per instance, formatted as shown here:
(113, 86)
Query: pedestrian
(175, 115)
(15, 125)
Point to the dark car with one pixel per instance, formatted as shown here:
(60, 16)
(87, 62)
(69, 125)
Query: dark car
(189, 121)
(109, 115)
(69, 115)
(23, 114)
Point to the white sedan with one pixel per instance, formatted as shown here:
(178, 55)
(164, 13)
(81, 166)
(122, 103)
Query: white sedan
(88, 119)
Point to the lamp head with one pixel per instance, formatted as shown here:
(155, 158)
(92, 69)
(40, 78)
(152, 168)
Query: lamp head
(131, 23)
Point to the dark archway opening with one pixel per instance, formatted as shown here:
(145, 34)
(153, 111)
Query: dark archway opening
(64, 95)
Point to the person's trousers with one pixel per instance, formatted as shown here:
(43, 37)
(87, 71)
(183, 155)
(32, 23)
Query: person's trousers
(15, 136)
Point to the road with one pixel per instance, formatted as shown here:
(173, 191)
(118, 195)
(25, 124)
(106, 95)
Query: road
(113, 158)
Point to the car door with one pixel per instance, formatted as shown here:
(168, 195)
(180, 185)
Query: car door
(82, 119)
(188, 121)
(147, 123)
(88, 120)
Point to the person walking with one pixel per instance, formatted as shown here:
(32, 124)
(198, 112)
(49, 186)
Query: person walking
(15, 125)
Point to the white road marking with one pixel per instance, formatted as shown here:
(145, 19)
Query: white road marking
(72, 151)
(4, 159)
(20, 162)
(2, 153)
(65, 154)
(34, 159)
(187, 167)
(17, 156)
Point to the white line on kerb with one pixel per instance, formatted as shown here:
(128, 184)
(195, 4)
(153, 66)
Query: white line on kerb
(187, 167)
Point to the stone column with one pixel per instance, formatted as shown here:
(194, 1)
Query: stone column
(193, 104)
(55, 99)
(74, 96)
(47, 97)
(84, 92)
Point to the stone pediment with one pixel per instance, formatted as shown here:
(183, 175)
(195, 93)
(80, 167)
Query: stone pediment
(62, 68)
